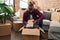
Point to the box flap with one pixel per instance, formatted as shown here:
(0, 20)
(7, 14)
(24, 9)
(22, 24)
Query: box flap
(31, 32)
(17, 22)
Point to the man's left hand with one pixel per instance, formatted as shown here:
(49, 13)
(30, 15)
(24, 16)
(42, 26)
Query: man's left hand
(34, 22)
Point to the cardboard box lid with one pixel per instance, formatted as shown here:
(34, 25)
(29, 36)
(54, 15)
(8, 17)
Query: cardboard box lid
(35, 32)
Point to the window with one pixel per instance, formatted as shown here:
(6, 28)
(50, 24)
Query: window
(1, 1)
(8, 2)
(23, 4)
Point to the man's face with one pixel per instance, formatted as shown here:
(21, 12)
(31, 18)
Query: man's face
(31, 8)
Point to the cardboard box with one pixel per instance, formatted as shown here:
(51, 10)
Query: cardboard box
(55, 16)
(5, 29)
(17, 25)
(31, 34)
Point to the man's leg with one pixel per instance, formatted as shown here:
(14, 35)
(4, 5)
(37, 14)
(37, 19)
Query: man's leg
(40, 24)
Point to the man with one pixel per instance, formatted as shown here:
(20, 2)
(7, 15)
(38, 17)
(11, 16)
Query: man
(34, 13)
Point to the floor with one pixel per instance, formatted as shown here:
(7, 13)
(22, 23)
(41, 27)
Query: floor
(14, 36)
(5, 37)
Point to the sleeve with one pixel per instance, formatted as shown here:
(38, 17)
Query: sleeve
(24, 17)
(41, 16)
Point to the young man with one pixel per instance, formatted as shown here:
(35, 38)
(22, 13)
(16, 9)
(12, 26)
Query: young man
(34, 14)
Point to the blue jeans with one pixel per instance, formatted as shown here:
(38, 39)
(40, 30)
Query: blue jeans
(38, 24)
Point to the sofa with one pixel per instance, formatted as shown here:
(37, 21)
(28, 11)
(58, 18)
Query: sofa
(46, 21)
(54, 30)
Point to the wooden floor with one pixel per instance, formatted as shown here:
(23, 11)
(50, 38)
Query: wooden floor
(5, 37)
(14, 36)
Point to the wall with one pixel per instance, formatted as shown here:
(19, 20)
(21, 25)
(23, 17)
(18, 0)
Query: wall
(43, 4)
(22, 12)
(16, 5)
(50, 4)
(46, 4)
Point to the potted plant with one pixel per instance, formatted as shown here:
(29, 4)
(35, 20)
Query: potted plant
(7, 12)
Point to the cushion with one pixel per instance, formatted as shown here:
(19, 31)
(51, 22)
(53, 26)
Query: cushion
(46, 22)
(47, 15)
(54, 26)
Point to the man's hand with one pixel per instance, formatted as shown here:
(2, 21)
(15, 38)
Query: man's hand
(34, 22)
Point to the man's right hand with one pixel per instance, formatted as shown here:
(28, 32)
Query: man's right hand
(34, 22)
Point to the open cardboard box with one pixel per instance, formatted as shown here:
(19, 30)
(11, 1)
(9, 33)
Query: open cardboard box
(31, 34)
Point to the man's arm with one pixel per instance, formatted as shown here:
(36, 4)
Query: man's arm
(24, 18)
(41, 16)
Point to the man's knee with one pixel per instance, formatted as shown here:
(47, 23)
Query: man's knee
(40, 23)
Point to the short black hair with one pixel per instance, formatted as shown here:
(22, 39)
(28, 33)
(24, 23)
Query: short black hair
(31, 4)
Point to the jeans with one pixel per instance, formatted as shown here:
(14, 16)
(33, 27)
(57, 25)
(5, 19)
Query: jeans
(38, 24)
